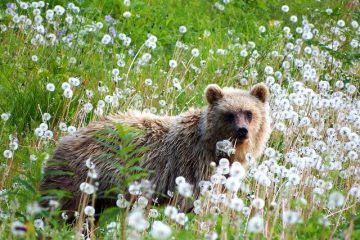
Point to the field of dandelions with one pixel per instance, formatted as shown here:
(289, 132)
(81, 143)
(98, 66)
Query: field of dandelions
(65, 64)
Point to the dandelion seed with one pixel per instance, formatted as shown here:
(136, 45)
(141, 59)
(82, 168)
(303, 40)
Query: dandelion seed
(71, 129)
(39, 224)
(185, 189)
(258, 203)
(172, 63)
(293, 19)
(48, 134)
(237, 204)
(182, 29)
(336, 199)
(137, 221)
(262, 29)
(171, 212)
(34, 58)
(237, 170)
(256, 224)
(87, 188)
(232, 184)
(122, 203)
(291, 217)
(106, 39)
(127, 14)
(8, 154)
(195, 52)
(160, 230)
(50, 87)
(5, 116)
(54, 204)
(74, 81)
(89, 211)
(68, 93)
(341, 23)
(39, 132)
(181, 218)
(153, 213)
(142, 202)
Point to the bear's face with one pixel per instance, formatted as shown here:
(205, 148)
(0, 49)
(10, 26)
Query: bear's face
(235, 114)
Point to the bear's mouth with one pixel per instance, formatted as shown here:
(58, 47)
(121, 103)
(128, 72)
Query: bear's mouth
(240, 140)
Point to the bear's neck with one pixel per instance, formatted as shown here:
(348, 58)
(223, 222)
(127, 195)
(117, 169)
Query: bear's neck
(191, 131)
(209, 136)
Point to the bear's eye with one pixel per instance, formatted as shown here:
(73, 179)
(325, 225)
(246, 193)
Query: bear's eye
(229, 117)
(248, 115)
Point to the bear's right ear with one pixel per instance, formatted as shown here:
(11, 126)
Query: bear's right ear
(213, 93)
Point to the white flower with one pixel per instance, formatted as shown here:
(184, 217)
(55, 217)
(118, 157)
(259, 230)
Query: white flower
(137, 221)
(293, 19)
(153, 213)
(160, 230)
(142, 202)
(5, 116)
(74, 81)
(269, 70)
(39, 224)
(127, 14)
(258, 203)
(171, 212)
(65, 85)
(106, 39)
(50, 87)
(8, 154)
(237, 170)
(341, 23)
(336, 199)
(195, 52)
(46, 117)
(181, 218)
(232, 184)
(68, 93)
(148, 82)
(172, 63)
(256, 224)
(237, 204)
(262, 29)
(182, 29)
(39, 132)
(89, 211)
(87, 188)
(71, 129)
(48, 134)
(285, 8)
(185, 189)
(34, 58)
(179, 180)
(291, 217)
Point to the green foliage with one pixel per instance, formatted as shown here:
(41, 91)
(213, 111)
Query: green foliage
(23, 92)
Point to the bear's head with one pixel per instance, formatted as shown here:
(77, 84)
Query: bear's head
(238, 115)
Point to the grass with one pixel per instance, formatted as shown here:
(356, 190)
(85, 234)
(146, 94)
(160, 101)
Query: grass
(24, 95)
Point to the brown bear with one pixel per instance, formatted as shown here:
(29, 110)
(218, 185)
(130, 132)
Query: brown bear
(182, 145)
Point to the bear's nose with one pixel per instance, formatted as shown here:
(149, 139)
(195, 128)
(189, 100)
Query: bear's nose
(242, 132)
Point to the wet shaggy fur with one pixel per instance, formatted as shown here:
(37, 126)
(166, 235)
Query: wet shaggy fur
(182, 145)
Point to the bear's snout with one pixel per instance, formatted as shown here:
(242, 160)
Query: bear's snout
(242, 133)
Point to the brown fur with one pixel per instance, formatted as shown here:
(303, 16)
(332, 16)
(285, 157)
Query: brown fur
(182, 145)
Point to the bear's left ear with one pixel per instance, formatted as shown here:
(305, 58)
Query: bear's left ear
(261, 92)
(213, 93)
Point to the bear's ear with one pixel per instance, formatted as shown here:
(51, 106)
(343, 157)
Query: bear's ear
(213, 93)
(261, 92)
